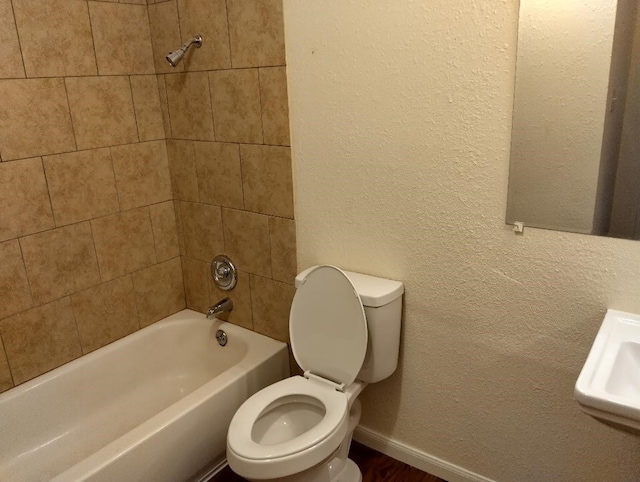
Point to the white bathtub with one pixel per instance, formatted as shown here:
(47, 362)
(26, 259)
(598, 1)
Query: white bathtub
(154, 406)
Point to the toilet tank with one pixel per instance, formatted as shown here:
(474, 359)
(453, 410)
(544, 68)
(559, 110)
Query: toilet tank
(382, 301)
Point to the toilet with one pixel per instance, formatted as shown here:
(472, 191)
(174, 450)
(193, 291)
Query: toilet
(345, 333)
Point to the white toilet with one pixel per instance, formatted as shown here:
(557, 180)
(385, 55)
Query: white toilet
(345, 333)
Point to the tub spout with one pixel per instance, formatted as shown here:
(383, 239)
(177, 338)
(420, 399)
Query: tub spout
(222, 306)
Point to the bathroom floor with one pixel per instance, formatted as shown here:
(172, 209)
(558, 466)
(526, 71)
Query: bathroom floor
(375, 467)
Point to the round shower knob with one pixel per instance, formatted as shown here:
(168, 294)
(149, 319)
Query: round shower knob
(224, 272)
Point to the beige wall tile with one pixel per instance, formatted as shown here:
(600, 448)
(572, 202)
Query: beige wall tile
(16, 295)
(282, 233)
(202, 230)
(159, 291)
(105, 313)
(256, 31)
(246, 241)
(182, 164)
(142, 174)
(124, 242)
(165, 232)
(24, 199)
(102, 111)
(176, 208)
(190, 106)
(165, 35)
(40, 104)
(236, 102)
(271, 301)
(81, 185)
(48, 48)
(241, 314)
(164, 105)
(146, 101)
(60, 262)
(122, 38)
(267, 180)
(275, 105)
(208, 19)
(40, 339)
(219, 174)
(6, 381)
(11, 66)
(196, 283)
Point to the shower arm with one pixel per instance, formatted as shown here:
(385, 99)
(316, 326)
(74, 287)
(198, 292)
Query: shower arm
(197, 40)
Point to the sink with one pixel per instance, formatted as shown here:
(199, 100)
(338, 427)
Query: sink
(608, 387)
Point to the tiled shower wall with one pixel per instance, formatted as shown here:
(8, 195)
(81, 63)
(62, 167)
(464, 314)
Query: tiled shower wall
(229, 156)
(89, 248)
(88, 241)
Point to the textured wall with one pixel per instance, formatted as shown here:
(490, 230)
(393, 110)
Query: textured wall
(88, 241)
(401, 115)
(227, 120)
(564, 58)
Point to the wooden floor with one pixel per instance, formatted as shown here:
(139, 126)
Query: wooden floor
(375, 467)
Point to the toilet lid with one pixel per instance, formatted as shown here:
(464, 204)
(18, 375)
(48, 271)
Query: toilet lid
(327, 325)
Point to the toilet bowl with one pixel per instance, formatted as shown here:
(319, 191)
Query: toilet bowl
(300, 428)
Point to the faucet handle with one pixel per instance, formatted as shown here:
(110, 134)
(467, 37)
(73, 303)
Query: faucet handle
(224, 272)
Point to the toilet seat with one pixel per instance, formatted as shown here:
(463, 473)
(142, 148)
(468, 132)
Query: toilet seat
(328, 326)
(240, 439)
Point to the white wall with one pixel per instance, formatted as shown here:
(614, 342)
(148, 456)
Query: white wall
(401, 116)
(564, 58)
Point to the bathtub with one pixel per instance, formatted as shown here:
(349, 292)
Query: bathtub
(153, 406)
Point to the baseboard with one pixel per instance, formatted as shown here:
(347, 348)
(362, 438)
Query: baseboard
(411, 456)
(208, 473)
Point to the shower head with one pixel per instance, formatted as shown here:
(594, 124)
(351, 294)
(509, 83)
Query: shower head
(175, 57)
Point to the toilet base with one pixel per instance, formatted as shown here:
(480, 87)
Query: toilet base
(350, 473)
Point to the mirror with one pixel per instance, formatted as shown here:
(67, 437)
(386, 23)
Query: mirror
(575, 144)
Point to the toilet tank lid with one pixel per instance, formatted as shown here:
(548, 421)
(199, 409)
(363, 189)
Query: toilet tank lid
(374, 292)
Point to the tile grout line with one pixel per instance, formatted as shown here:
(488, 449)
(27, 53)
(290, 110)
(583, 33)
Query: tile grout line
(46, 182)
(115, 180)
(93, 42)
(6, 357)
(224, 241)
(133, 105)
(244, 203)
(168, 135)
(31, 156)
(153, 235)
(73, 128)
(157, 76)
(15, 23)
(261, 106)
(213, 116)
(75, 320)
(226, 10)
(135, 298)
(270, 247)
(95, 252)
(192, 145)
(26, 273)
(195, 71)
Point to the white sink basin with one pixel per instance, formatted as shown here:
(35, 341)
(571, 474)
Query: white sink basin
(608, 387)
